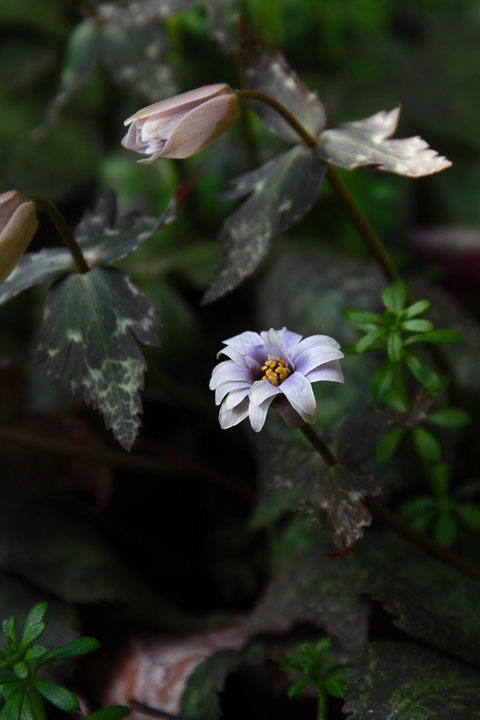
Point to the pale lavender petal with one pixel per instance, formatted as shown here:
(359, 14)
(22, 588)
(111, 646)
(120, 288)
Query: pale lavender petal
(316, 356)
(249, 343)
(229, 371)
(258, 414)
(275, 345)
(261, 390)
(330, 371)
(314, 341)
(290, 340)
(233, 354)
(228, 417)
(235, 397)
(291, 417)
(201, 94)
(227, 387)
(298, 391)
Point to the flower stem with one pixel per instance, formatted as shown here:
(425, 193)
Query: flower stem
(322, 703)
(63, 230)
(319, 445)
(282, 110)
(362, 225)
(376, 506)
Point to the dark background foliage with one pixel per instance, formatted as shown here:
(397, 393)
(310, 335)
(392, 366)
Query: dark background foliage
(178, 536)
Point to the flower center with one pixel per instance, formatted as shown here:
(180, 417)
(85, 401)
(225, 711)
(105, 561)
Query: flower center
(276, 371)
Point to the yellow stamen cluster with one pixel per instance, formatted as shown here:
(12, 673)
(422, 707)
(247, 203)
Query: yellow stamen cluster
(276, 371)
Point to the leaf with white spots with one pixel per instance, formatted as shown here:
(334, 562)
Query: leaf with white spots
(133, 54)
(139, 13)
(364, 142)
(269, 72)
(101, 238)
(90, 322)
(223, 20)
(329, 495)
(281, 192)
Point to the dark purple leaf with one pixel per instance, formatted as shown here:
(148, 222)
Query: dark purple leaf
(269, 72)
(364, 142)
(281, 192)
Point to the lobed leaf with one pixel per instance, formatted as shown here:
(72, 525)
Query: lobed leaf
(102, 239)
(268, 72)
(401, 681)
(281, 192)
(364, 142)
(89, 324)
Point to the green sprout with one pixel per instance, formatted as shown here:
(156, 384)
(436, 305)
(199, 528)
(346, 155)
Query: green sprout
(20, 687)
(309, 662)
(395, 332)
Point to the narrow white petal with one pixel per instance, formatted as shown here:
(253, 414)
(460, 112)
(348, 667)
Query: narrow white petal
(228, 417)
(227, 387)
(316, 356)
(258, 414)
(235, 397)
(228, 371)
(298, 391)
(331, 372)
(261, 390)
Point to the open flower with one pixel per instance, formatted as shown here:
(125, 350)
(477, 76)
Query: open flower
(18, 224)
(183, 125)
(273, 366)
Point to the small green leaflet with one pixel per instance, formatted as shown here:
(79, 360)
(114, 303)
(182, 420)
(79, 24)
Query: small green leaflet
(406, 681)
(281, 192)
(89, 324)
(102, 239)
(364, 142)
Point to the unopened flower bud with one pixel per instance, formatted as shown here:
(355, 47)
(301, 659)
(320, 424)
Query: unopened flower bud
(18, 224)
(183, 125)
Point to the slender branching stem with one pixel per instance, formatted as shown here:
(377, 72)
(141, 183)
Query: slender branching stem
(362, 225)
(63, 230)
(395, 522)
(282, 110)
(322, 703)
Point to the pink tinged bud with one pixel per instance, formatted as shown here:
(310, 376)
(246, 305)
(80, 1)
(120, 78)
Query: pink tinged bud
(18, 225)
(183, 125)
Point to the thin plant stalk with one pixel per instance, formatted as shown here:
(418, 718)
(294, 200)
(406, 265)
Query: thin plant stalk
(63, 230)
(395, 522)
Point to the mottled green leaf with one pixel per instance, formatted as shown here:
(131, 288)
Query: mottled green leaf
(424, 374)
(223, 20)
(401, 681)
(34, 625)
(21, 670)
(436, 336)
(281, 192)
(316, 589)
(89, 324)
(417, 325)
(12, 709)
(102, 241)
(364, 142)
(394, 296)
(389, 443)
(57, 695)
(429, 599)
(383, 379)
(369, 339)
(417, 308)
(268, 72)
(361, 319)
(138, 13)
(394, 347)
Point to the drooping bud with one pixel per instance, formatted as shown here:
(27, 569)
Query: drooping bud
(18, 224)
(183, 125)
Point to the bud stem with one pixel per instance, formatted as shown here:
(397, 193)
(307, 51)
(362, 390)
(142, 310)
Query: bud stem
(317, 442)
(282, 110)
(63, 230)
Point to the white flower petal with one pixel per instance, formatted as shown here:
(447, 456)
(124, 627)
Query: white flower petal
(228, 371)
(298, 391)
(314, 341)
(331, 372)
(228, 417)
(249, 344)
(261, 390)
(236, 396)
(316, 356)
(258, 414)
(290, 340)
(227, 387)
(275, 345)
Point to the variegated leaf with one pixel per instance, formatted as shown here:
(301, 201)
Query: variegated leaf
(281, 192)
(139, 13)
(89, 324)
(364, 142)
(269, 72)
